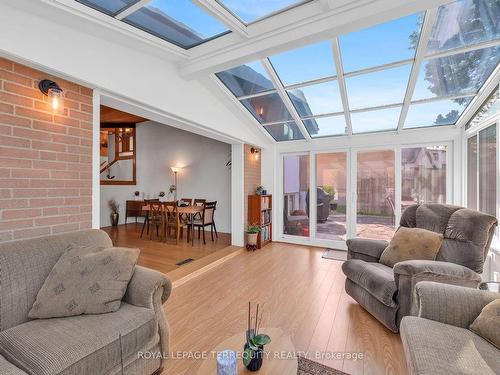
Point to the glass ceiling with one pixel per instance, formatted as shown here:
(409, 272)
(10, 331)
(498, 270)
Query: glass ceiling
(250, 10)
(180, 22)
(300, 93)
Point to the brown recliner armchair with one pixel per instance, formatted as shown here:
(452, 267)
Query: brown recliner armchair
(387, 293)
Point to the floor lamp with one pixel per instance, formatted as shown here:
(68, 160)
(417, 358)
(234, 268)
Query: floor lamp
(175, 170)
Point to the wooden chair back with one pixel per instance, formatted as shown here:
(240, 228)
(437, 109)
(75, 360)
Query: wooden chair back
(199, 202)
(189, 201)
(170, 210)
(208, 212)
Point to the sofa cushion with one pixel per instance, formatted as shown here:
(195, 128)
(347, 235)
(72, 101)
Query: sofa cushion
(411, 244)
(7, 368)
(434, 217)
(84, 344)
(433, 348)
(24, 266)
(487, 324)
(85, 280)
(376, 278)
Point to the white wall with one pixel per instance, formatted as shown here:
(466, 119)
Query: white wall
(204, 173)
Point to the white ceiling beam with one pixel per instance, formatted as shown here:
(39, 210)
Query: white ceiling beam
(311, 82)
(305, 24)
(285, 98)
(131, 9)
(377, 68)
(224, 15)
(423, 41)
(342, 86)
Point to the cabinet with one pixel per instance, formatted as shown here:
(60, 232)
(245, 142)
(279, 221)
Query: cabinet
(260, 212)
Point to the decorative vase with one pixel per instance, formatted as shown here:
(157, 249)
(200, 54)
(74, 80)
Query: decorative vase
(115, 216)
(257, 359)
(252, 241)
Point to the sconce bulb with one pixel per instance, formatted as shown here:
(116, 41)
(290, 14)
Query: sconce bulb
(55, 98)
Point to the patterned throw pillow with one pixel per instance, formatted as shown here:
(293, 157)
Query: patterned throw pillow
(412, 244)
(85, 280)
(487, 324)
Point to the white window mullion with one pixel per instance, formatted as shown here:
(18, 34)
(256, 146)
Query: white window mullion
(398, 164)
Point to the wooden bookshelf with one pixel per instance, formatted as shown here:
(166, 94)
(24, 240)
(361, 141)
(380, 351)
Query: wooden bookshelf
(260, 213)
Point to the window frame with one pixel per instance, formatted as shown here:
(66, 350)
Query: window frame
(493, 120)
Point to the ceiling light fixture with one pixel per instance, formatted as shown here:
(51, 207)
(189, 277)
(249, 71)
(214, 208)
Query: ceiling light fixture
(53, 91)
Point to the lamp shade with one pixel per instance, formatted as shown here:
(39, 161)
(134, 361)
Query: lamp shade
(175, 169)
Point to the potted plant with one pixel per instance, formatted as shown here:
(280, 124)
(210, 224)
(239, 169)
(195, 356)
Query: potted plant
(252, 234)
(115, 212)
(253, 354)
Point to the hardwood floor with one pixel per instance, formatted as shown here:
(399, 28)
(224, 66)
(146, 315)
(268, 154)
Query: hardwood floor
(303, 295)
(163, 256)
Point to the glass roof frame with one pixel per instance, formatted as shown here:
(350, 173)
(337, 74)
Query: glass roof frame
(268, 15)
(428, 22)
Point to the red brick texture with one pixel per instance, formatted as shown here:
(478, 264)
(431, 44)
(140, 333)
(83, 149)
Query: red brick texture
(45, 156)
(252, 177)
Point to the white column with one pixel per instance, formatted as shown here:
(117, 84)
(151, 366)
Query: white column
(270, 179)
(237, 195)
(96, 179)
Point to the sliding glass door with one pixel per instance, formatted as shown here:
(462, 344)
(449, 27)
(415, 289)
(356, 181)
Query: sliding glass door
(375, 202)
(296, 195)
(423, 175)
(331, 196)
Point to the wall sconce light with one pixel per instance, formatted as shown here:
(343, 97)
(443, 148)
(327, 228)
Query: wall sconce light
(53, 91)
(255, 152)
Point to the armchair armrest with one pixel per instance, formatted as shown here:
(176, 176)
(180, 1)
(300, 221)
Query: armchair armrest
(151, 289)
(451, 304)
(364, 249)
(143, 286)
(408, 273)
(425, 269)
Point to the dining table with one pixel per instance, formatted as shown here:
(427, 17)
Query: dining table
(190, 211)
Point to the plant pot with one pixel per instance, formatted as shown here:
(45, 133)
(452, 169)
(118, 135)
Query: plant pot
(257, 359)
(252, 238)
(115, 216)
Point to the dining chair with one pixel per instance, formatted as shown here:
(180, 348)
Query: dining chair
(172, 220)
(157, 219)
(147, 216)
(200, 203)
(189, 201)
(207, 218)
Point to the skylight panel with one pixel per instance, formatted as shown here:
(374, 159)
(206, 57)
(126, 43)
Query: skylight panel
(178, 21)
(246, 79)
(465, 23)
(268, 108)
(463, 73)
(284, 132)
(435, 113)
(110, 7)
(379, 88)
(375, 120)
(326, 126)
(304, 64)
(382, 44)
(317, 99)
(250, 10)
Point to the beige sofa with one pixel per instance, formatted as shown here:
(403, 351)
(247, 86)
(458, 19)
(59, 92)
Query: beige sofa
(438, 341)
(85, 344)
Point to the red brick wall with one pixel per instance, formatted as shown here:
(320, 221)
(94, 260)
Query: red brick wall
(252, 176)
(45, 156)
